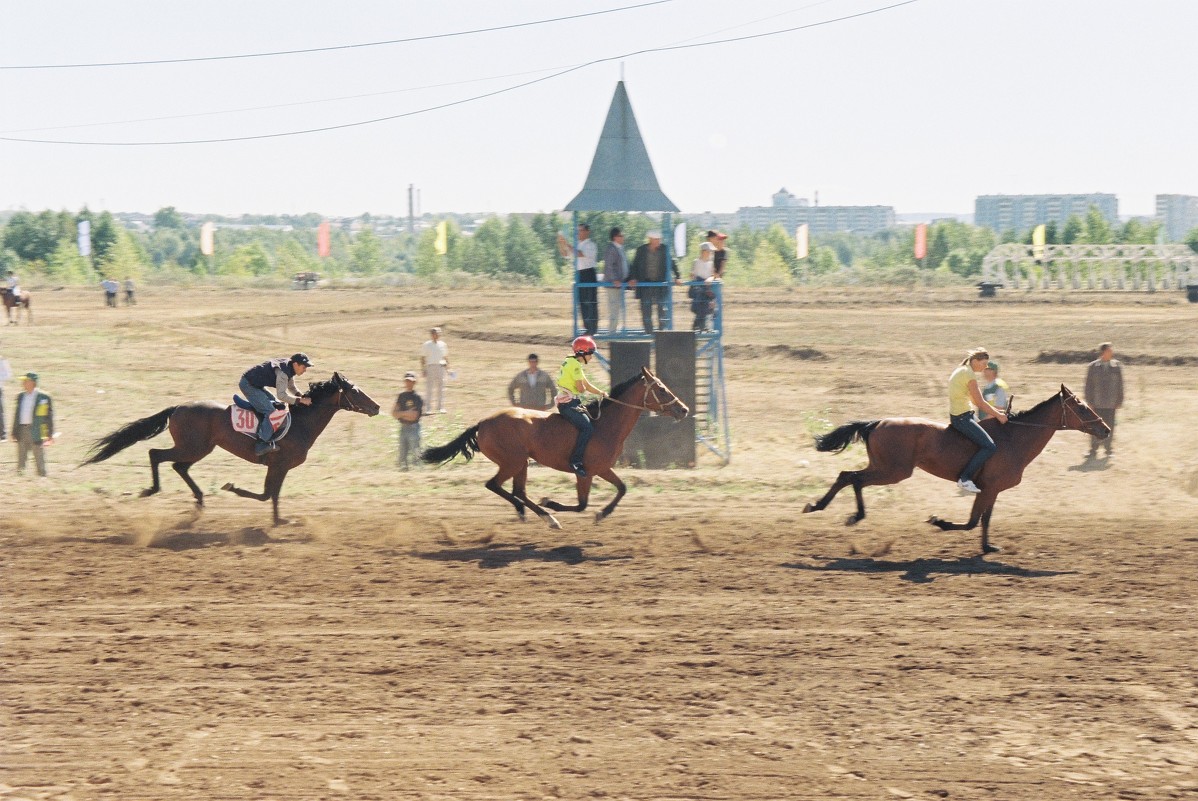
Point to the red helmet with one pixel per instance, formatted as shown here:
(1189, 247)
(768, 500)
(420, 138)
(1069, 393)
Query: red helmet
(584, 345)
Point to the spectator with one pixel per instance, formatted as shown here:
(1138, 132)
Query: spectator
(33, 425)
(994, 389)
(584, 257)
(434, 364)
(717, 241)
(5, 374)
(532, 388)
(110, 289)
(700, 292)
(615, 272)
(1104, 392)
(649, 265)
(408, 408)
(130, 287)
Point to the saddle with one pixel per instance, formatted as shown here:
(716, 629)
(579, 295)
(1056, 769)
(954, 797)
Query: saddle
(245, 419)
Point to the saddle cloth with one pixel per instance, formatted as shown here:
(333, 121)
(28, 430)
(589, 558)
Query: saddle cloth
(245, 420)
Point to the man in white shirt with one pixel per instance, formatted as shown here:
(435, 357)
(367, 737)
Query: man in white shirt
(434, 363)
(585, 256)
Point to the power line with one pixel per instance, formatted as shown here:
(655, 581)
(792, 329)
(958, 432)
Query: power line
(331, 48)
(463, 101)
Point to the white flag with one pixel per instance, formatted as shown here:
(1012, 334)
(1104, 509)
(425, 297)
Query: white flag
(207, 233)
(85, 237)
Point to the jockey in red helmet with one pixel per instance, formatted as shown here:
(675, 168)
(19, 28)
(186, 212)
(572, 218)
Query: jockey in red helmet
(571, 384)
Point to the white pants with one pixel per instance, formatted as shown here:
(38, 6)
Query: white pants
(434, 376)
(615, 308)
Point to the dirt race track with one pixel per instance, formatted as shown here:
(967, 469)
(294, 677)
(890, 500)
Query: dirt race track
(405, 637)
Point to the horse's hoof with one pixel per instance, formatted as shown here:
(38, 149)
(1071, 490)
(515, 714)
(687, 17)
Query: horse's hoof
(991, 549)
(544, 501)
(147, 492)
(852, 520)
(599, 517)
(933, 520)
(282, 521)
(808, 508)
(553, 524)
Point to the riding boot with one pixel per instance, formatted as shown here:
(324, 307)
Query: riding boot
(263, 447)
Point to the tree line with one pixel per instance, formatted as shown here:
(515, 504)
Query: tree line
(43, 245)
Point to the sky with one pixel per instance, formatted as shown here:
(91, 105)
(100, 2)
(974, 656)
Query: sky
(921, 107)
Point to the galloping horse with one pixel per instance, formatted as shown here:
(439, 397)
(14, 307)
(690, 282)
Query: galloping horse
(510, 437)
(898, 445)
(11, 303)
(199, 427)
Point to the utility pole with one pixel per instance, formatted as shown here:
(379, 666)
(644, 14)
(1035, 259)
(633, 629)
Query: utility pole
(411, 211)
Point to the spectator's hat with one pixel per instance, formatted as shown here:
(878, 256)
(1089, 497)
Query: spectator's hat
(409, 376)
(532, 357)
(654, 234)
(31, 377)
(434, 330)
(992, 366)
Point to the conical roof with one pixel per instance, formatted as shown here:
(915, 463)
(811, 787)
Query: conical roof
(621, 176)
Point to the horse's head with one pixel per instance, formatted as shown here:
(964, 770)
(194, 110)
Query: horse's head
(352, 398)
(660, 398)
(1077, 415)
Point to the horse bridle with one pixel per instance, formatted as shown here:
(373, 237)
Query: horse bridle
(344, 397)
(652, 393)
(1064, 416)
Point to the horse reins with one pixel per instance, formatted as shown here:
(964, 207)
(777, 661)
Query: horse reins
(1062, 426)
(652, 393)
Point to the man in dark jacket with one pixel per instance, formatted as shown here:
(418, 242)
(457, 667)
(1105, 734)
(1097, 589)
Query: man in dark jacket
(1104, 392)
(650, 265)
(279, 375)
(532, 388)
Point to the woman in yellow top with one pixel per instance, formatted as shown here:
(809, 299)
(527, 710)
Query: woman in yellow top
(571, 383)
(963, 397)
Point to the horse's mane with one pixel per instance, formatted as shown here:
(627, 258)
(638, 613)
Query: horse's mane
(1036, 408)
(595, 407)
(319, 390)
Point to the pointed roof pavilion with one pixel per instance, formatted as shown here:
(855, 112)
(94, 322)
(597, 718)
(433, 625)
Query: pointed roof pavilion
(621, 176)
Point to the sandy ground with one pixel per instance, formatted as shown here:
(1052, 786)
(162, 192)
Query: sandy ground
(405, 637)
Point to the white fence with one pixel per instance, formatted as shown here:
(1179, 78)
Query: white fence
(1144, 268)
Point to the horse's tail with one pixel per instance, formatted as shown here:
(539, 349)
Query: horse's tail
(466, 445)
(840, 438)
(125, 436)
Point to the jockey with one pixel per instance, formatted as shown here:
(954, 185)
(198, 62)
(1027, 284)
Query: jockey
(571, 384)
(963, 397)
(14, 286)
(279, 375)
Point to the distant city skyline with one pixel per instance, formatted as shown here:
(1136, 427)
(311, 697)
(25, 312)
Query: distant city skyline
(921, 107)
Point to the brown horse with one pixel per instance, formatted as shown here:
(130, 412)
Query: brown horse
(511, 437)
(199, 427)
(11, 303)
(898, 445)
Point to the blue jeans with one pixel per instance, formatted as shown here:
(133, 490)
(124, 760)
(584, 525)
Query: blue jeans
(968, 425)
(409, 444)
(263, 403)
(573, 412)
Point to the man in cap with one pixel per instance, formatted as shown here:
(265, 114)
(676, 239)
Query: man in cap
(718, 240)
(532, 388)
(651, 266)
(994, 390)
(407, 410)
(33, 424)
(434, 364)
(279, 375)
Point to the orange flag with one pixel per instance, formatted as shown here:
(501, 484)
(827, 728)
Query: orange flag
(322, 239)
(921, 240)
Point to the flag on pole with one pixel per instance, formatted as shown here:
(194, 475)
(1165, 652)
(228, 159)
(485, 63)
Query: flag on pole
(207, 237)
(322, 239)
(441, 245)
(85, 237)
(680, 240)
(921, 241)
(1038, 241)
(802, 240)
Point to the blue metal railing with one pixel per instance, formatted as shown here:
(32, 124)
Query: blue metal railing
(629, 322)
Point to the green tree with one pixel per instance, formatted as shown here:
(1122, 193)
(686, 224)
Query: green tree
(484, 253)
(1050, 232)
(1192, 240)
(66, 266)
(104, 235)
(523, 251)
(167, 217)
(366, 253)
(1073, 231)
(36, 237)
(124, 258)
(1097, 229)
(248, 259)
